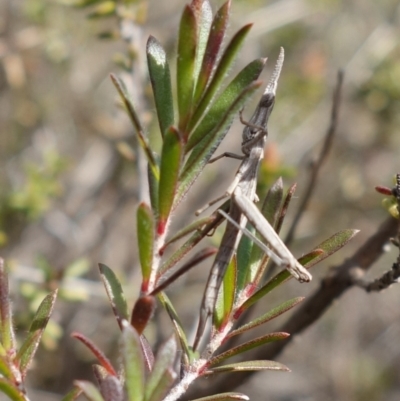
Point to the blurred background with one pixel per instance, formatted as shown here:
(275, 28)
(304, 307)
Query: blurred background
(70, 189)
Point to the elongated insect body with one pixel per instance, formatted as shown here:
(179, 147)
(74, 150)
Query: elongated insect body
(243, 194)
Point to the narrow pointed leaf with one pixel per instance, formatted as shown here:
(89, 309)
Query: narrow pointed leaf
(115, 293)
(72, 395)
(136, 123)
(104, 361)
(193, 241)
(272, 314)
(176, 323)
(185, 67)
(171, 159)
(321, 252)
(205, 149)
(148, 355)
(243, 257)
(216, 36)
(331, 245)
(162, 376)
(225, 101)
(6, 327)
(145, 235)
(203, 14)
(161, 83)
(224, 397)
(5, 370)
(112, 389)
(270, 210)
(214, 86)
(153, 189)
(257, 342)
(10, 390)
(249, 366)
(89, 389)
(134, 363)
(226, 295)
(39, 323)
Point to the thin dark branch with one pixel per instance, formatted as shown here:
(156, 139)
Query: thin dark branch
(316, 167)
(343, 278)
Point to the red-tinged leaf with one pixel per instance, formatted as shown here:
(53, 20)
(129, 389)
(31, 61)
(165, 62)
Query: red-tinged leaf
(161, 83)
(142, 312)
(383, 190)
(148, 355)
(11, 391)
(145, 235)
(203, 13)
(330, 246)
(112, 389)
(226, 296)
(199, 257)
(202, 153)
(230, 96)
(6, 327)
(250, 366)
(134, 363)
(72, 395)
(214, 86)
(272, 314)
(39, 323)
(257, 342)
(185, 66)
(171, 159)
(224, 397)
(89, 390)
(115, 293)
(162, 375)
(104, 361)
(196, 225)
(217, 219)
(216, 36)
(136, 123)
(180, 333)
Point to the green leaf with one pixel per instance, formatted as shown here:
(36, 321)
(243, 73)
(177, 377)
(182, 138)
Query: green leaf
(224, 397)
(243, 257)
(203, 13)
(145, 235)
(257, 342)
(10, 390)
(115, 293)
(216, 220)
(270, 210)
(330, 246)
(205, 149)
(6, 327)
(89, 389)
(39, 323)
(214, 86)
(72, 395)
(161, 83)
(251, 366)
(215, 38)
(180, 333)
(5, 368)
(226, 295)
(104, 9)
(162, 375)
(136, 123)
(134, 364)
(153, 189)
(272, 314)
(171, 159)
(185, 65)
(231, 95)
